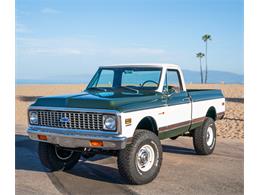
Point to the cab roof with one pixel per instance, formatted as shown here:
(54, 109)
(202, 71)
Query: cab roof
(142, 65)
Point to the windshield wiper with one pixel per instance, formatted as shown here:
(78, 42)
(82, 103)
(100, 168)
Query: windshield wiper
(96, 88)
(132, 89)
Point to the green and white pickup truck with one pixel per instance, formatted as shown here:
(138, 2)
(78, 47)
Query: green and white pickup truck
(125, 111)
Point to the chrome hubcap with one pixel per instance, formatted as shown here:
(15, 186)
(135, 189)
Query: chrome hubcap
(63, 154)
(145, 158)
(210, 136)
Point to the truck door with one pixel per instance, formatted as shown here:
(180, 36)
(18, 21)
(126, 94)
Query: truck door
(178, 102)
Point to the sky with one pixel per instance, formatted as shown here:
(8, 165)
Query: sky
(65, 37)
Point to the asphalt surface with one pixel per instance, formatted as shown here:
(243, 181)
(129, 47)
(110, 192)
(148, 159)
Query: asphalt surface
(182, 172)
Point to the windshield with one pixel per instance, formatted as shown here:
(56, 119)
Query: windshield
(126, 78)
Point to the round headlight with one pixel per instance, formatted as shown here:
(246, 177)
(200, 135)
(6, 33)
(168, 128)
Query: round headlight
(33, 117)
(109, 122)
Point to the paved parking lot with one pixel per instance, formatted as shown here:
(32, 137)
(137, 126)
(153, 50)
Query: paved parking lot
(182, 172)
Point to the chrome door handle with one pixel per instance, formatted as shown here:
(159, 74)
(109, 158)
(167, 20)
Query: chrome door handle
(186, 99)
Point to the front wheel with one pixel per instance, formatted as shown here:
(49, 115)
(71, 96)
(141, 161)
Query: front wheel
(57, 158)
(141, 160)
(204, 137)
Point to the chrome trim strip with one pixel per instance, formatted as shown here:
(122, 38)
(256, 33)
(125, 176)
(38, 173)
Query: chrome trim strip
(119, 124)
(93, 136)
(81, 132)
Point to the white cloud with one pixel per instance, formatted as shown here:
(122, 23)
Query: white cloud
(54, 51)
(50, 11)
(21, 28)
(19, 13)
(47, 47)
(85, 47)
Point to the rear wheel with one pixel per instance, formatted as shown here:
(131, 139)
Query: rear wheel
(57, 158)
(141, 160)
(204, 137)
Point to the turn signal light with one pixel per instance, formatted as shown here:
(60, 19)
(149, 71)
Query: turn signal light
(95, 143)
(128, 122)
(42, 137)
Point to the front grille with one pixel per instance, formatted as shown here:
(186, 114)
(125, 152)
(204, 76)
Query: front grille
(70, 120)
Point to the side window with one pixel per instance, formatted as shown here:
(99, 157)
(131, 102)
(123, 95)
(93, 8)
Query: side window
(106, 78)
(172, 82)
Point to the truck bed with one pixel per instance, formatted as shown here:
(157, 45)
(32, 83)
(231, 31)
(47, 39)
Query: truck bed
(204, 94)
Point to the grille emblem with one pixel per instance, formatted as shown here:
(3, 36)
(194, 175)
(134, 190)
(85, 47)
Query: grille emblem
(65, 120)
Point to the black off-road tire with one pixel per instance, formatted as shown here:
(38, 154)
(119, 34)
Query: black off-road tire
(49, 158)
(200, 137)
(127, 158)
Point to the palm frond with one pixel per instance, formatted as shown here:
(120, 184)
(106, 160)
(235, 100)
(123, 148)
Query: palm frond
(206, 37)
(200, 55)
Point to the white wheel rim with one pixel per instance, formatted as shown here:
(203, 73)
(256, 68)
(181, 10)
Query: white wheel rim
(145, 158)
(62, 157)
(210, 136)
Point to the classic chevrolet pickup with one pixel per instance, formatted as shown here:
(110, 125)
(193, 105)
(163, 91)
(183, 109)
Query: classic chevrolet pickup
(125, 111)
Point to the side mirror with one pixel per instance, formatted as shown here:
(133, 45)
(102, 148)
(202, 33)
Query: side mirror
(165, 91)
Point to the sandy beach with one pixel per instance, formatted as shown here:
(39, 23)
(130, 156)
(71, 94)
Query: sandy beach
(231, 127)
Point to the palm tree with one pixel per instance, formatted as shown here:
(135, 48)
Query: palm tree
(200, 55)
(205, 38)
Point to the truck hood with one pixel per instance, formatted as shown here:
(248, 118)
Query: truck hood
(120, 101)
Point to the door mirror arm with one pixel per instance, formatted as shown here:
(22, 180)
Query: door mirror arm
(166, 94)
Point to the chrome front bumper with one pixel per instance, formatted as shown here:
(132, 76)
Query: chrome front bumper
(72, 138)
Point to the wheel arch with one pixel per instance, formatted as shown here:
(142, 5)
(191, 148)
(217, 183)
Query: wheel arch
(212, 113)
(148, 123)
